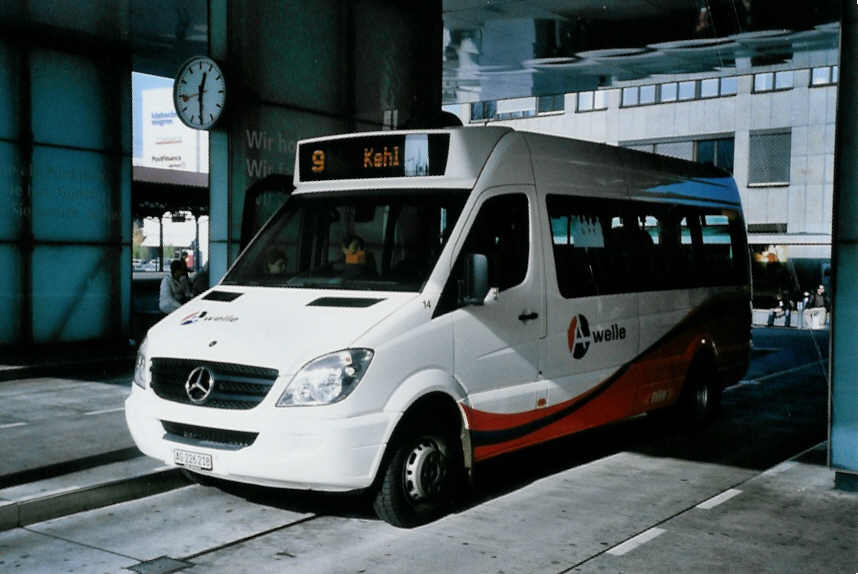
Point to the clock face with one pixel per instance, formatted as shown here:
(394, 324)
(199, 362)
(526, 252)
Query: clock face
(199, 93)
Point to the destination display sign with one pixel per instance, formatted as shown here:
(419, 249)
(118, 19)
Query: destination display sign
(379, 156)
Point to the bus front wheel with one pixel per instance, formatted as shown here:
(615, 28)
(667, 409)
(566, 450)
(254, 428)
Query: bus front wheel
(419, 480)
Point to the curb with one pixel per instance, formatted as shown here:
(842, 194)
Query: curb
(67, 467)
(46, 506)
(11, 373)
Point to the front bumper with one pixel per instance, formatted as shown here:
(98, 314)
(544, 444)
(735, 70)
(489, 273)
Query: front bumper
(295, 447)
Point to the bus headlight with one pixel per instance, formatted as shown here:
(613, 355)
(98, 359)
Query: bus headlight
(327, 379)
(141, 366)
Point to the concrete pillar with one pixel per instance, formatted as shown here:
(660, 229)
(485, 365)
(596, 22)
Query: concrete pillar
(843, 429)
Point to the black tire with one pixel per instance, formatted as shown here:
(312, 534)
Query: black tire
(701, 395)
(420, 478)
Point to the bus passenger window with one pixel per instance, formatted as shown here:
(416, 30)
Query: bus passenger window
(687, 260)
(578, 240)
(717, 249)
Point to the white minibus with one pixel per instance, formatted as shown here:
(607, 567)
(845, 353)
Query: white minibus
(426, 300)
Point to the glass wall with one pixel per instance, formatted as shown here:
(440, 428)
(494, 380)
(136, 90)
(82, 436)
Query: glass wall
(65, 214)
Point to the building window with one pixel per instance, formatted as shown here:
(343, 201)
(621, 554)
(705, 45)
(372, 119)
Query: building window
(515, 108)
(591, 101)
(679, 149)
(769, 158)
(547, 104)
(481, 111)
(769, 81)
(718, 152)
(709, 88)
(729, 86)
(764, 82)
(714, 151)
(647, 95)
(630, 96)
(784, 80)
(824, 76)
(679, 91)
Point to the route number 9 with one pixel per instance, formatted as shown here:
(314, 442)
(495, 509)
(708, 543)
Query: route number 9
(318, 161)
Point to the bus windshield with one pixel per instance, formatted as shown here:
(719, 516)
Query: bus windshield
(365, 241)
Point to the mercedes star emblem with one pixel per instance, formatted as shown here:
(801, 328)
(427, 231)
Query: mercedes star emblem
(199, 385)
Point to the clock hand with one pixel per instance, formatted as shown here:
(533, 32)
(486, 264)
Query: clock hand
(201, 90)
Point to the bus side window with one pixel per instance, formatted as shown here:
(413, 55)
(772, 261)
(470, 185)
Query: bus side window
(631, 250)
(653, 263)
(688, 258)
(578, 243)
(739, 248)
(718, 254)
(571, 259)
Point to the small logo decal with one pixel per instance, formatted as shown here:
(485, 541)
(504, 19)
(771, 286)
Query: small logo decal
(199, 385)
(204, 316)
(579, 336)
(193, 317)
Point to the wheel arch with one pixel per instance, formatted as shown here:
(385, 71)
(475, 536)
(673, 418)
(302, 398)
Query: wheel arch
(429, 394)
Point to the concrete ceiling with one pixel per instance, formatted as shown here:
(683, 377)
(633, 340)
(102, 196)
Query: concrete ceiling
(496, 49)
(156, 34)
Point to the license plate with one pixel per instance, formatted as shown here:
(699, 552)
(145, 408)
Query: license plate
(192, 459)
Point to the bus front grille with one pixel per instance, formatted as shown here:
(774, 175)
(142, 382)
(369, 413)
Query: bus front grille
(229, 386)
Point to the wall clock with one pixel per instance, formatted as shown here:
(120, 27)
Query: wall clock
(199, 93)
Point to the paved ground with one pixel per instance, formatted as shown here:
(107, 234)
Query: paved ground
(49, 424)
(638, 496)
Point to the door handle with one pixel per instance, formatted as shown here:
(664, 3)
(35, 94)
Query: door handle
(525, 317)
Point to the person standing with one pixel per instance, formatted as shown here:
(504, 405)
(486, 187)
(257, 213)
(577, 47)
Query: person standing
(175, 288)
(817, 309)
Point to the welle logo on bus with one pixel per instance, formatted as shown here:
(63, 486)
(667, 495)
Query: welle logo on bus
(580, 337)
(381, 156)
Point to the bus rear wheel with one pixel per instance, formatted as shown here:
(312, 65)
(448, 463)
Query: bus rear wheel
(701, 396)
(419, 480)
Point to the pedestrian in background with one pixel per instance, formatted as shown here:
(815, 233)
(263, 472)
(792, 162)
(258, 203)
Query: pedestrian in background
(817, 309)
(175, 287)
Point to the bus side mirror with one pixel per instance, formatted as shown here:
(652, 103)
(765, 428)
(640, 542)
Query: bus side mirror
(476, 279)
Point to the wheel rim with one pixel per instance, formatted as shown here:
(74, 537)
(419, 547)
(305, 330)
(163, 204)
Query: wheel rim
(701, 399)
(425, 470)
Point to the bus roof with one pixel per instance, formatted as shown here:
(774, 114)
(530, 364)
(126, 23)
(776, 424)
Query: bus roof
(589, 168)
(454, 158)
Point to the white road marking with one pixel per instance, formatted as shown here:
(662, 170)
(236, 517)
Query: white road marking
(11, 425)
(101, 412)
(637, 541)
(719, 499)
(777, 374)
(782, 467)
